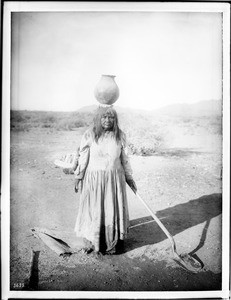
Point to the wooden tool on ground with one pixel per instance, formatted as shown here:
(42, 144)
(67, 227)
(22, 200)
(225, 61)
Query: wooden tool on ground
(186, 260)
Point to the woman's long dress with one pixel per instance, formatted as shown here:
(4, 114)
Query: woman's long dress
(103, 211)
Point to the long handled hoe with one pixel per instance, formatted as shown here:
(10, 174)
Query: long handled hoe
(189, 262)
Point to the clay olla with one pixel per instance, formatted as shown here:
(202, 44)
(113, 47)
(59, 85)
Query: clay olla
(107, 91)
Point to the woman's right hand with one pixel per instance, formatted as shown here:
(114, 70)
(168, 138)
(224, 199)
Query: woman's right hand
(132, 184)
(78, 185)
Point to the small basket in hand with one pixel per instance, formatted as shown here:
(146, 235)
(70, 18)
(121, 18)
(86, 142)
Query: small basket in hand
(68, 162)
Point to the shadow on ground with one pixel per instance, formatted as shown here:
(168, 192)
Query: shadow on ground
(176, 219)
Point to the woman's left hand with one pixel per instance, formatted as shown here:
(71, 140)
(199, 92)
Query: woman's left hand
(78, 185)
(132, 184)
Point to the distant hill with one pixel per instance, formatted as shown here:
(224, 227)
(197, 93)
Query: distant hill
(202, 108)
(88, 109)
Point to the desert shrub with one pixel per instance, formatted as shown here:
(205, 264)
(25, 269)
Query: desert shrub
(46, 125)
(216, 125)
(49, 119)
(145, 136)
(79, 123)
(145, 145)
(19, 121)
(20, 127)
(187, 120)
(27, 117)
(69, 124)
(62, 125)
(16, 116)
(26, 120)
(207, 124)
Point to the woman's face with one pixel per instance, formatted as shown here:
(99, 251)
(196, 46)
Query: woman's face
(107, 121)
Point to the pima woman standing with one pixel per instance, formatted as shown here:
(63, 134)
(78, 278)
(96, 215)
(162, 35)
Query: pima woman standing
(101, 178)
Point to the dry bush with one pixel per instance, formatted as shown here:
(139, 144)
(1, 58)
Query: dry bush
(69, 124)
(145, 136)
(200, 125)
(20, 127)
(26, 120)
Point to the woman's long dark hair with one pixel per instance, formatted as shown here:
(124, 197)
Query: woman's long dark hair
(97, 128)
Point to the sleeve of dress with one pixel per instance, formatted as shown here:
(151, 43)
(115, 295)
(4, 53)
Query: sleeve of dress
(75, 160)
(84, 153)
(125, 159)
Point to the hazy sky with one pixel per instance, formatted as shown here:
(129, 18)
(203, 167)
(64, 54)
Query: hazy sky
(159, 58)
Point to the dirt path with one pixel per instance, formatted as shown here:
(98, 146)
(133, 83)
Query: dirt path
(183, 186)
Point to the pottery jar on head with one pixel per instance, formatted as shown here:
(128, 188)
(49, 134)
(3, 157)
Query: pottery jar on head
(107, 91)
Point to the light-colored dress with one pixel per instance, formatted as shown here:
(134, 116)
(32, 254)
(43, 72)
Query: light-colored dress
(103, 210)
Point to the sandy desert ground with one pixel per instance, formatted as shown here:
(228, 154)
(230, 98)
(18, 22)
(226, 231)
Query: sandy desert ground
(182, 185)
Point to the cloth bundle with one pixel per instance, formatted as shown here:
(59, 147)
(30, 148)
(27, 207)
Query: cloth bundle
(61, 242)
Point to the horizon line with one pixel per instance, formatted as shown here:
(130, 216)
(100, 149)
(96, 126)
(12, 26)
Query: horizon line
(119, 106)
